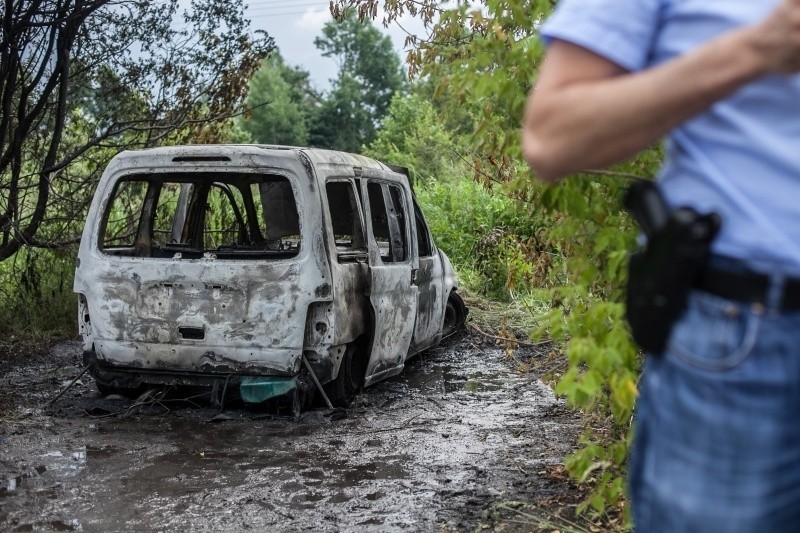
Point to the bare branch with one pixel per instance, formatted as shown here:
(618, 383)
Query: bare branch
(78, 82)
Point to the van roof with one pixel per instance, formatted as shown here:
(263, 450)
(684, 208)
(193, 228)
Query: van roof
(219, 152)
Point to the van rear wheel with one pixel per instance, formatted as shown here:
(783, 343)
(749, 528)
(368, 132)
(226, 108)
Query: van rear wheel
(343, 390)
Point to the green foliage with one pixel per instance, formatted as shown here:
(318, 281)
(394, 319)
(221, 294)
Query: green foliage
(366, 55)
(412, 136)
(341, 122)
(36, 298)
(485, 236)
(278, 98)
(489, 239)
(370, 73)
(588, 317)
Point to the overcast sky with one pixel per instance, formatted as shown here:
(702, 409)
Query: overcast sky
(295, 23)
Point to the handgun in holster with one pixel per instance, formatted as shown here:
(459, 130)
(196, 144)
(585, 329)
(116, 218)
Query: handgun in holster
(661, 274)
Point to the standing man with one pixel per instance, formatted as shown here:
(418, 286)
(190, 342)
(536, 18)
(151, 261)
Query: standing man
(717, 437)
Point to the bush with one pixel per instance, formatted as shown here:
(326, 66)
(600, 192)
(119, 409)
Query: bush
(492, 244)
(36, 298)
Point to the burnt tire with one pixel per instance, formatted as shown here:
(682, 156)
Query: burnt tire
(455, 314)
(350, 380)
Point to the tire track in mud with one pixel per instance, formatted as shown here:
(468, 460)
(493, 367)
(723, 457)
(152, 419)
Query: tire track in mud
(458, 431)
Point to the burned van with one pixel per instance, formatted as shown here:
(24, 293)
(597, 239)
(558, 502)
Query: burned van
(257, 272)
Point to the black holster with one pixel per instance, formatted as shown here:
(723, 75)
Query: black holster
(661, 274)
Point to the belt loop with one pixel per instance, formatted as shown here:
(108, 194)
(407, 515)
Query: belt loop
(775, 292)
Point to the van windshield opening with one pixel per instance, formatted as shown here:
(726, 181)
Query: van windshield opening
(222, 215)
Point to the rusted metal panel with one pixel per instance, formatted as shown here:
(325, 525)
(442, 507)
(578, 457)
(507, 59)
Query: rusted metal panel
(350, 301)
(394, 302)
(428, 325)
(256, 318)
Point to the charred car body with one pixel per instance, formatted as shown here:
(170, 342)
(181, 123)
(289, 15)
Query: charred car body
(245, 269)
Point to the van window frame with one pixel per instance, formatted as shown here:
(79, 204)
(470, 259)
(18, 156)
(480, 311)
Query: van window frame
(214, 177)
(359, 248)
(407, 237)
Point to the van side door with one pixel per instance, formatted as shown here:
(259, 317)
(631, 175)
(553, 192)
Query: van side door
(430, 286)
(393, 264)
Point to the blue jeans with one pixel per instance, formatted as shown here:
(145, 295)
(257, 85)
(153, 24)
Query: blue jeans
(717, 426)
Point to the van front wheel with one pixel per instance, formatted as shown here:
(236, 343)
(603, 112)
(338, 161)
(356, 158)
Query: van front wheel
(455, 314)
(350, 380)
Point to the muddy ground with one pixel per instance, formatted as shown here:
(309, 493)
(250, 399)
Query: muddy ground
(458, 437)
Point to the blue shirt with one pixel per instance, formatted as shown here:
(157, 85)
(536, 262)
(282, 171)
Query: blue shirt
(741, 157)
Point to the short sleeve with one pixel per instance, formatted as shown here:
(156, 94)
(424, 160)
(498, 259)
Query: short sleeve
(621, 31)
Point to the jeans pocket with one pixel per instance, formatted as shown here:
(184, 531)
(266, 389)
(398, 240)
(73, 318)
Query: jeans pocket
(714, 333)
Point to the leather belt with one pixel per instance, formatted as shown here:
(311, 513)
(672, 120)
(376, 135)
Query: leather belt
(749, 287)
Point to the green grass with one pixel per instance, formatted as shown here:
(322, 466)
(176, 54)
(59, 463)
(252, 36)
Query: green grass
(36, 298)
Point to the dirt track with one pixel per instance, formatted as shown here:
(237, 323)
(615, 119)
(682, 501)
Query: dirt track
(433, 449)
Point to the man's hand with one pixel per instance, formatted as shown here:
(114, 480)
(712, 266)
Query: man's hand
(777, 38)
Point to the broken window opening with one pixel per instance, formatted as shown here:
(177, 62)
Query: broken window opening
(187, 216)
(387, 216)
(424, 246)
(346, 224)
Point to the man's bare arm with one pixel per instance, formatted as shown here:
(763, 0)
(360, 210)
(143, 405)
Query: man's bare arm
(586, 111)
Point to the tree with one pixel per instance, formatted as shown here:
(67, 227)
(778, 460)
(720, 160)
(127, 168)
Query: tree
(281, 102)
(80, 80)
(369, 75)
(412, 136)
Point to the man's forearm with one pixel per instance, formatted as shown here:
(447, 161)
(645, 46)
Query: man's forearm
(586, 112)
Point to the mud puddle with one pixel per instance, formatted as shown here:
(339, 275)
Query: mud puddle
(431, 449)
